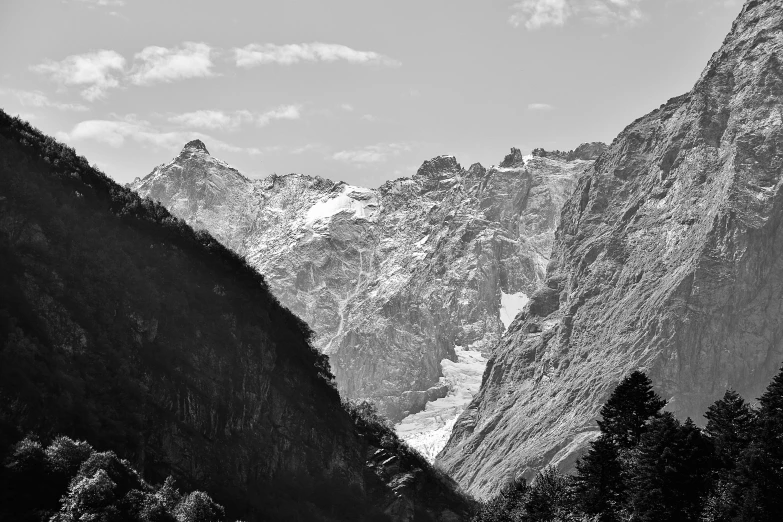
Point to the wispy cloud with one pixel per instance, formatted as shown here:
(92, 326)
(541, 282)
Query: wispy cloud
(222, 120)
(160, 64)
(39, 99)
(540, 107)
(208, 119)
(116, 132)
(372, 153)
(260, 54)
(347, 107)
(284, 112)
(97, 72)
(535, 14)
(101, 3)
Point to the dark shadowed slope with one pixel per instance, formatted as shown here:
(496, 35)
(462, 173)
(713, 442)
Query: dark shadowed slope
(122, 326)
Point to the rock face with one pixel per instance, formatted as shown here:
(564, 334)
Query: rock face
(668, 257)
(121, 325)
(390, 279)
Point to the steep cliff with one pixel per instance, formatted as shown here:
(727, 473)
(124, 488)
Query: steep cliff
(667, 258)
(122, 326)
(390, 279)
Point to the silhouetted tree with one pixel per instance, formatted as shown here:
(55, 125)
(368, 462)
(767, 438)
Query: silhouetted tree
(631, 405)
(761, 466)
(670, 476)
(599, 489)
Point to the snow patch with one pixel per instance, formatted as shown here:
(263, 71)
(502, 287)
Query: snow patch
(362, 202)
(429, 430)
(510, 306)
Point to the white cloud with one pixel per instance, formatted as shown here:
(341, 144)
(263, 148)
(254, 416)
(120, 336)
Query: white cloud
(284, 112)
(98, 71)
(259, 54)
(540, 107)
(211, 119)
(39, 99)
(116, 132)
(372, 153)
(347, 107)
(159, 64)
(534, 14)
(208, 119)
(102, 3)
(368, 117)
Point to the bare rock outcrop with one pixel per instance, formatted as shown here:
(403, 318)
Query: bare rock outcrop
(390, 279)
(668, 257)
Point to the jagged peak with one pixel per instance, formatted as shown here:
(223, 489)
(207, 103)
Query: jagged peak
(195, 145)
(433, 167)
(585, 151)
(513, 158)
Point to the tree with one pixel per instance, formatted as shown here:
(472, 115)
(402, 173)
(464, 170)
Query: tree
(761, 465)
(599, 489)
(625, 414)
(548, 498)
(507, 506)
(670, 476)
(198, 507)
(730, 425)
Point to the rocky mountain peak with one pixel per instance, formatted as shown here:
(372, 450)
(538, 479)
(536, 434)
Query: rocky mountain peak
(513, 158)
(435, 167)
(195, 145)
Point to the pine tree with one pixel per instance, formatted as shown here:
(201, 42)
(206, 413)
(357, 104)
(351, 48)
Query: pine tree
(598, 486)
(625, 414)
(670, 478)
(761, 466)
(730, 424)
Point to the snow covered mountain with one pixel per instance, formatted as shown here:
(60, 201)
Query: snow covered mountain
(398, 282)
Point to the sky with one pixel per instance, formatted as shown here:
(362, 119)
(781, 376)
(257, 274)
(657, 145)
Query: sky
(361, 91)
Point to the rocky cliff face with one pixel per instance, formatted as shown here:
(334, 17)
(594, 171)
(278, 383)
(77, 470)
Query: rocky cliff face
(121, 325)
(390, 279)
(667, 258)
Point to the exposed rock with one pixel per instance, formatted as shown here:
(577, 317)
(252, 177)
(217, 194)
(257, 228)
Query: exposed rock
(668, 258)
(390, 279)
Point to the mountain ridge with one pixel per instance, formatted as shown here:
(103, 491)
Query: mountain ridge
(665, 260)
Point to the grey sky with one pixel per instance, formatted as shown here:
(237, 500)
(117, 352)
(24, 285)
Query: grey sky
(361, 91)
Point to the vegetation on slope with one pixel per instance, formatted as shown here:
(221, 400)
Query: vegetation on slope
(68, 481)
(647, 466)
(123, 327)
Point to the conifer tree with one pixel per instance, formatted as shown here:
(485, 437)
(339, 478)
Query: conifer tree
(730, 424)
(762, 463)
(670, 478)
(625, 414)
(598, 486)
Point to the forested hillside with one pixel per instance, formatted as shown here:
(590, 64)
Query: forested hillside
(122, 327)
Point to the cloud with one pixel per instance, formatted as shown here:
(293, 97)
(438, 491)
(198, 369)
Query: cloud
(535, 14)
(39, 99)
(284, 112)
(102, 3)
(116, 132)
(98, 71)
(208, 119)
(159, 64)
(540, 107)
(259, 54)
(211, 119)
(347, 107)
(372, 153)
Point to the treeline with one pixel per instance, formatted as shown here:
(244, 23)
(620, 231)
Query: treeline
(647, 466)
(68, 481)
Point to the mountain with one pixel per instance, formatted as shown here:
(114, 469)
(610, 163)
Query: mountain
(123, 327)
(668, 258)
(393, 280)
